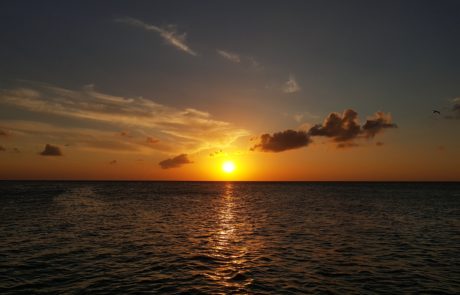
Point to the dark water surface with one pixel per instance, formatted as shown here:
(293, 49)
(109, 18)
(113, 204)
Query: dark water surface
(256, 238)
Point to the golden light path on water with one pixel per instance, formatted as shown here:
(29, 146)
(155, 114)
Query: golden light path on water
(228, 245)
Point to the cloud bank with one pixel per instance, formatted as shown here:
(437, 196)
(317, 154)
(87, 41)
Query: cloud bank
(169, 129)
(175, 162)
(169, 33)
(343, 129)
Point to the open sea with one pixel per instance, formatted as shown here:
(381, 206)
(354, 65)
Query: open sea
(229, 238)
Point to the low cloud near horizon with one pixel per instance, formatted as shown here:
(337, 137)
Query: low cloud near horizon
(51, 150)
(99, 116)
(282, 141)
(175, 162)
(343, 129)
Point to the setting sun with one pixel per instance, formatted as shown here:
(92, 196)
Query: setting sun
(228, 167)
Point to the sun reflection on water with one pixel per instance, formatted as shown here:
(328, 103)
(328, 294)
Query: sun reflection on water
(228, 244)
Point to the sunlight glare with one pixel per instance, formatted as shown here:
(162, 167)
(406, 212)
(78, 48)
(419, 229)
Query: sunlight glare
(228, 167)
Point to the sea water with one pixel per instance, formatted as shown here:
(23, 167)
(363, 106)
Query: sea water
(229, 237)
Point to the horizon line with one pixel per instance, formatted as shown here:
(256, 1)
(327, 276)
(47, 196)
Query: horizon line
(241, 181)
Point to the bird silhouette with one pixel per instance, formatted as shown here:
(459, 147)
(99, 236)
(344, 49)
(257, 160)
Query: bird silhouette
(436, 112)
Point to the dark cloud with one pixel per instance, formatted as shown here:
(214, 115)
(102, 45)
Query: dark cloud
(379, 143)
(282, 141)
(216, 153)
(51, 150)
(343, 128)
(16, 150)
(4, 133)
(340, 127)
(2, 149)
(175, 162)
(113, 162)
(379, 122)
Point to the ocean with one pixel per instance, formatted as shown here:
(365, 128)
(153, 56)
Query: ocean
(229, 238)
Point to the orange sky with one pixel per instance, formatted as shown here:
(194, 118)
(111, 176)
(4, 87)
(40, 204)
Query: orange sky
(286, 92)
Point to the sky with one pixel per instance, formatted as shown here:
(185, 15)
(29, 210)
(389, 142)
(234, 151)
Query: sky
(285, 90)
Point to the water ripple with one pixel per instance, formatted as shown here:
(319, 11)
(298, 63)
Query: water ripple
(222, 238)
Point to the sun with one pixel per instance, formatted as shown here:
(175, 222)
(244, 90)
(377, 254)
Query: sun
(228, 166)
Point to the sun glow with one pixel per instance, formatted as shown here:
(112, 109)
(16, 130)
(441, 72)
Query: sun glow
(228, 167)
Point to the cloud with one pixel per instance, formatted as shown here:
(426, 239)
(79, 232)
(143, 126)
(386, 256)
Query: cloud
(377, 123)
(177, 129)
(175, 162)
(455, 109)
(16, 150)
(298, 117)
(255, 64)
(233, 57)
(113, 162)
(343, 129)
(4, 133)
(344, 145)
(291, 85)
(340, 127)
(51, 150)
(282, 141)
(168, 33)
(216, 153)
(379, 143)
(301, 116)
(2, 149)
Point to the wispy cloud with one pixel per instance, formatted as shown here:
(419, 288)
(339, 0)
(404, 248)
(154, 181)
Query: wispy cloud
(299, 117)
(233, 57)
(291, 85)
(173, 130)
(168, 33)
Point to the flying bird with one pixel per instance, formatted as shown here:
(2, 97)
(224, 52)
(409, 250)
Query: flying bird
(436, 112)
